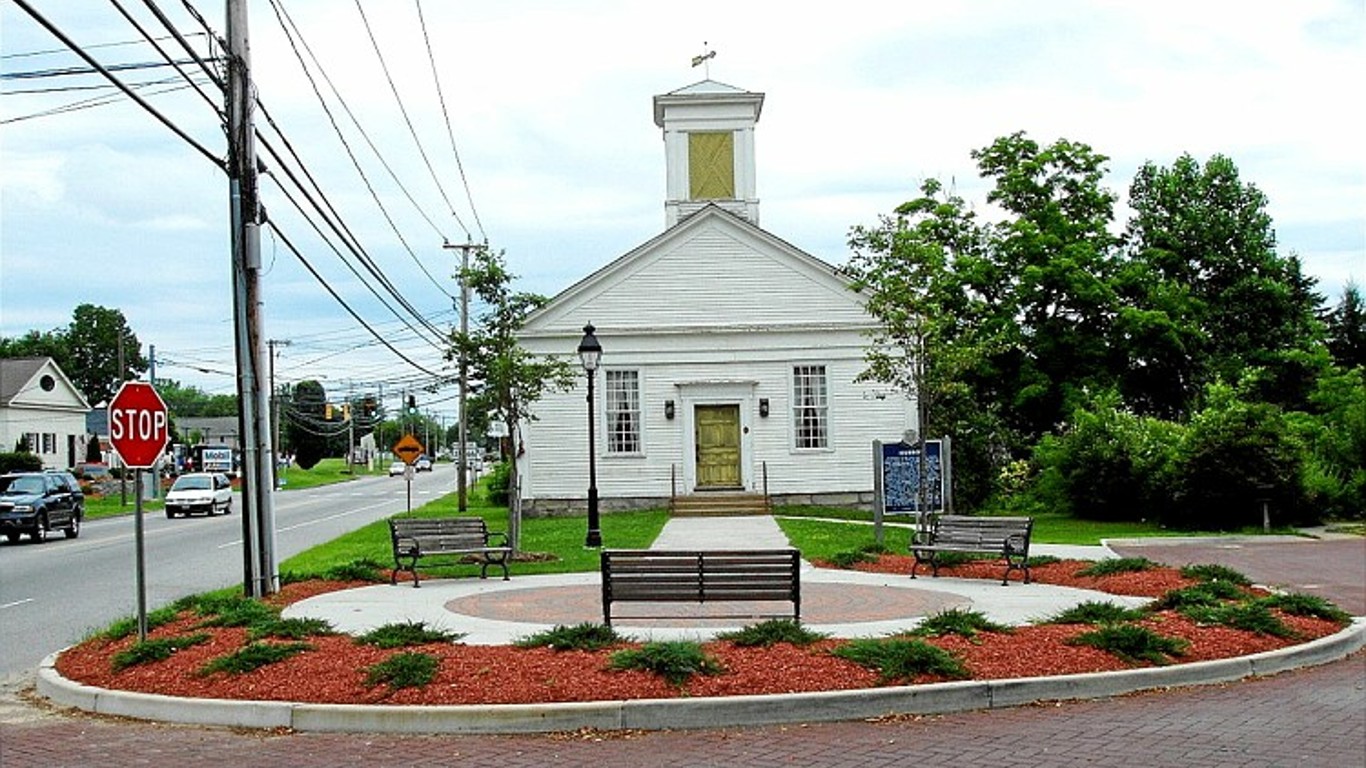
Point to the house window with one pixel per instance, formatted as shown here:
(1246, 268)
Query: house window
(810, 407)
(622, 411)
(711, 166)
(49, 442)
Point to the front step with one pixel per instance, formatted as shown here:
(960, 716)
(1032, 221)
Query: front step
(720, 505)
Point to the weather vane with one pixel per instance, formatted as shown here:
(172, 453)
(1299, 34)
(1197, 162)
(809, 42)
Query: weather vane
(705, 58)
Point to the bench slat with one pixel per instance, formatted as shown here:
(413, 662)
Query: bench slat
(416, 537)
(700, 576)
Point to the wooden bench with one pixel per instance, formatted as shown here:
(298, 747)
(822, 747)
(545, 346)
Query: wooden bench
(679, 576)
(1007, 537)
(417, 537)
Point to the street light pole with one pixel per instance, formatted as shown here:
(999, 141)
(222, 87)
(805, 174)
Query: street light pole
(590, 354)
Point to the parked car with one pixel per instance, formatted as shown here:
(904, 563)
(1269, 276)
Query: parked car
(397, 468)
(35, 503)
(423, 464)
(207, 492)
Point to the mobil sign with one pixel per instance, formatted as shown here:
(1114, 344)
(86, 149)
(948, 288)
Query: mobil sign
(138, 424)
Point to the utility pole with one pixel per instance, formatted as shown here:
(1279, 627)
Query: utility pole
(274, 410)
(258, 514)
(462, 461)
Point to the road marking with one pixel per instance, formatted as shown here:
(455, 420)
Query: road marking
(16, 603)
(238, 542)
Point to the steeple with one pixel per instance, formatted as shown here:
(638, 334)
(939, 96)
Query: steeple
(709, 149)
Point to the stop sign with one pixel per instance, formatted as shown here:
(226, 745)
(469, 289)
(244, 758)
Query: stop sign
(138, 427)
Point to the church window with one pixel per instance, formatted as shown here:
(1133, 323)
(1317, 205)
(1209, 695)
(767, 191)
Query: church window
(622, 411)
(810, 407)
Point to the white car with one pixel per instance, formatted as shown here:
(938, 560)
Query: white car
(207, 492)
(397, 468)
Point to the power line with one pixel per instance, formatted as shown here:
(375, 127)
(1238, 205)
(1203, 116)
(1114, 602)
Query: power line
(23, 4)
(441, 98)
(286, 24)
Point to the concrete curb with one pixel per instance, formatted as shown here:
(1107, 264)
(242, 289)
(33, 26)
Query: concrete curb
(662, 714)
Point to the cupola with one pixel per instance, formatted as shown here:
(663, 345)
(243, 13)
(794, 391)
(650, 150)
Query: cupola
(709, 149)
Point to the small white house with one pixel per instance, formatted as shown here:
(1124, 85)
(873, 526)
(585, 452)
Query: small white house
(38, 402)
(729, 355)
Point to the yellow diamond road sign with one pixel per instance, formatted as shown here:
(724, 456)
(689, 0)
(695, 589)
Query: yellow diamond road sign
(408, 449)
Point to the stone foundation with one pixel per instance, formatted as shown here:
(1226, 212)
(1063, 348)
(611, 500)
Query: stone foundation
(577, 507)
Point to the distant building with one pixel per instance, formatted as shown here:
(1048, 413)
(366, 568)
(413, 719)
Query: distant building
(729, 355)
(39, 404)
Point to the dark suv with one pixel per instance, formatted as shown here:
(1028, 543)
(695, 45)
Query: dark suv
(38, 502)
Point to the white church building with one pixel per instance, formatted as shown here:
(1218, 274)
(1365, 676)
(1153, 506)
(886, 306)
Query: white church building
(729, 355)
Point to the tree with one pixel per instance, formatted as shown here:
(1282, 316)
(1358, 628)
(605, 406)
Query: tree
(1347, 329)
(305, 423)
(512, 377)
(1206, 266)
(38, 344)
(92, 342)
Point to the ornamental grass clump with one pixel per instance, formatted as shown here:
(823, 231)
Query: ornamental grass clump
(957, 621)
(407, 633)
(675, 660)
(403, 670)
(579, 637)
(1132, 643)
(159, 649)
(1095, 612)
(771, 632)
(902, 659)
(128, 625)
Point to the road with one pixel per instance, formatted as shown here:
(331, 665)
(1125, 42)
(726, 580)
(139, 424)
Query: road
(55, 593)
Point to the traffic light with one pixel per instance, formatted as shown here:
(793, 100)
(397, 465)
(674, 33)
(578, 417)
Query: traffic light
(327, 412)
(412, 404)
(346, 411)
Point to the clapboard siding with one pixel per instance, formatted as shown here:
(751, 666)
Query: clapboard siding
(715, 310)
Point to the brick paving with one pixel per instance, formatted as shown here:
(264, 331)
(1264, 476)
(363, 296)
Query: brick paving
(1309, 717)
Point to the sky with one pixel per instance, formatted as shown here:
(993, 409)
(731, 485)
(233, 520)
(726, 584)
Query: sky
(546, 147)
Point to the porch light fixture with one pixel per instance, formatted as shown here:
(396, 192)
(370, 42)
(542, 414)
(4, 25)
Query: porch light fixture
(763, 407)
(669, 409)
(590, 354)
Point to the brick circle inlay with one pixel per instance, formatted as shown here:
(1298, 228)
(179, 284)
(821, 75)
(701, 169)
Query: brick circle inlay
(822, 603)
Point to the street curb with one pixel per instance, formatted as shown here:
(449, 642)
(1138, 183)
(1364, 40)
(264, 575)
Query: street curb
(662, 714)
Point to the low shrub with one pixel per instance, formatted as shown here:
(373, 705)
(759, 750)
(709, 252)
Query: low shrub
(1095, 612)
(1132, 643)
(1117, 565)
(234, 611)
(1247, 616)
(675, 660)
(849, 558)
(1038, 561)
(407, 633)
(403, 670)
(956, 621)
(1215, 572)
(126, 626)
(148, 651)
(772, 632)
(291, 629)
(901, 659)
(1306, 605)
(1206, 594)
(253, 656)
(580, 637)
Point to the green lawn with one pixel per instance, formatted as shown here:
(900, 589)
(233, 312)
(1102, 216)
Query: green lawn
(326, 472)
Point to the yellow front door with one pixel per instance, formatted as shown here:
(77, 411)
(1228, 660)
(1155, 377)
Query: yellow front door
(718, 446)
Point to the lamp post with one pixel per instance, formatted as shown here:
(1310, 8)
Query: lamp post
(590, 354)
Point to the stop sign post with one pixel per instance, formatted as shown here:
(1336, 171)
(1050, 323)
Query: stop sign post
(138, 425)
(138, 430)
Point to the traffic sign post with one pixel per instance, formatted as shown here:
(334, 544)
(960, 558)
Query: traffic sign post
(409, 449)
(138, 431)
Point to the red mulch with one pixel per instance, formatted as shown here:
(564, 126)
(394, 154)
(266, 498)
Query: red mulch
(334, 670)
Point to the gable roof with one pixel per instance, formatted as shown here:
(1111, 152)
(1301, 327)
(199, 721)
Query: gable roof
(18, 377)
(673, 282)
